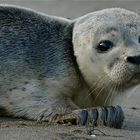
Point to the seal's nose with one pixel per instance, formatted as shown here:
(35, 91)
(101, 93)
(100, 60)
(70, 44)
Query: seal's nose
(134, 59)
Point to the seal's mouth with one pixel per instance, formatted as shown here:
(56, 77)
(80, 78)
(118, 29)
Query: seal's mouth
(132, 82)
(135, 80)
(136, 77)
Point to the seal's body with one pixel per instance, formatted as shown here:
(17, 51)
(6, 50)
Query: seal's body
(51, 66)
(37, 65)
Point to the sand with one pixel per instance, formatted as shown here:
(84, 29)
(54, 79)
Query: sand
(17, 129)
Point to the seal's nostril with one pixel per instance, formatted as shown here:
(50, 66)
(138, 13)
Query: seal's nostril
(130, 59)
(134, 59)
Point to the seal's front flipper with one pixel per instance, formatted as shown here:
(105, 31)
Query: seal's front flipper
(108, 116)
(115, 117)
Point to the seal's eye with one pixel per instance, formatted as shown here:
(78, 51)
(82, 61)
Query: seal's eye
(104, 46)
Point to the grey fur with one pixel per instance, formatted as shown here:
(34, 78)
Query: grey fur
(39, 74)
(35, 50)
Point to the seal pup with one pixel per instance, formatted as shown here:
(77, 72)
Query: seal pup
(52, 68)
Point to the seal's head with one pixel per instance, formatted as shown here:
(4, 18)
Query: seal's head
(107, 48)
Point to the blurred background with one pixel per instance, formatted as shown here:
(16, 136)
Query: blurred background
(74, 8)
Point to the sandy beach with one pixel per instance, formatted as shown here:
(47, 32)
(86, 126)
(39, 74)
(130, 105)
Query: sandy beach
(18, 129)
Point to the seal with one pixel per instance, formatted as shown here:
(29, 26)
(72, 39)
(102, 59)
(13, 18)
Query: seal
(52, 68)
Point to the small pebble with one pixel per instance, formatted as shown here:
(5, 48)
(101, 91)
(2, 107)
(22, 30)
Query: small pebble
(93, 136)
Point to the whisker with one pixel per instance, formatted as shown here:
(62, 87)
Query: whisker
(96, 85)
(103, 87)
(107, 98)
(117, 87)
(112, 88)
(112, 94)
(99, 93)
